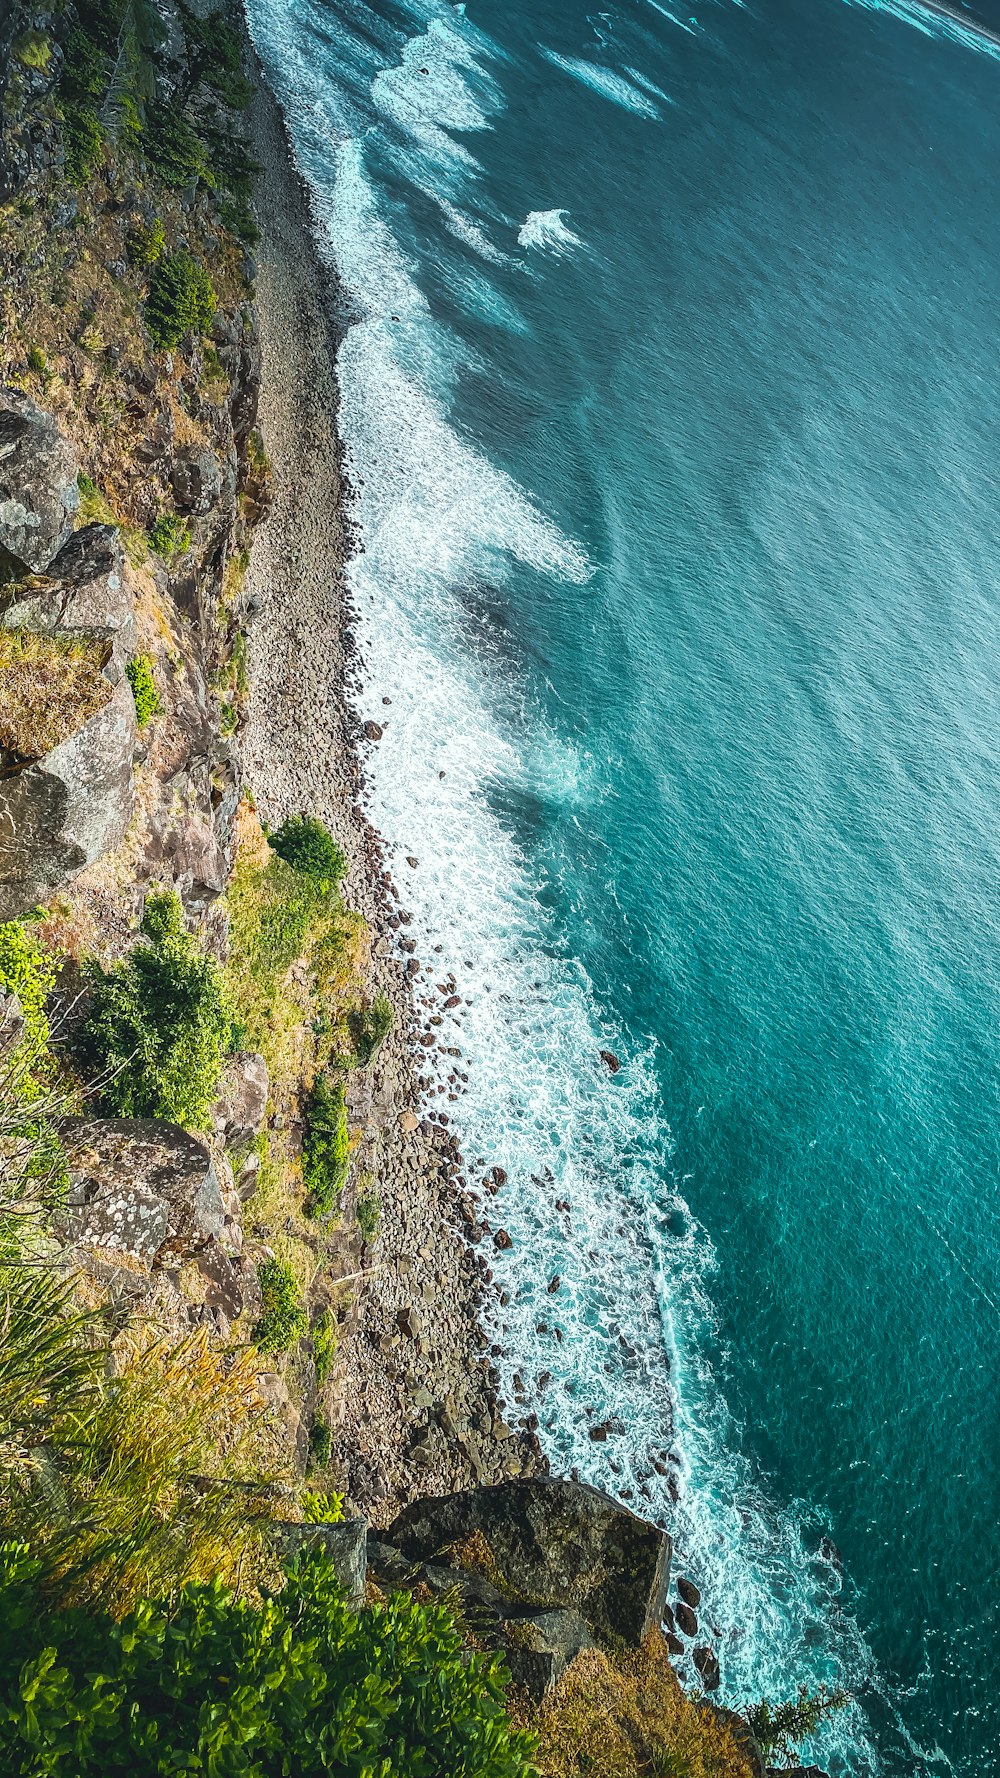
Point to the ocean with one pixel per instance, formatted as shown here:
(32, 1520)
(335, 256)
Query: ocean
(670, 401)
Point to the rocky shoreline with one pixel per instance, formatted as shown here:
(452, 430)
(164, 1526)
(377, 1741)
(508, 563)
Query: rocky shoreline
(412, 1404)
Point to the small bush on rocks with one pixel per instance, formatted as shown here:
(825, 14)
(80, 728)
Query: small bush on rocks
(170, 536)
(305, 844)
(320, 1446)
(369, 1027)
(181, 299)
(323, 1509)
(158, 1026)
(369, 1213)
(145, 245)
(324, 1345)
(139, 673)
(283, 1318)
(326, 1149)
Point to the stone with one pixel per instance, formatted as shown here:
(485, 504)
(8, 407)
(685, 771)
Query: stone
(408, 1122)
(12, 1022)
(408, 1322)
(372, 731)
(674, 1644)
(196, 479)
(708, 1667)
(502, 1240)
(61, 812)
(83, 590)
(345, 1545)
(38, 489)
(610, 1060)
(690, 1594)
(541, 1647)
(685, 1619)
(238, 1113)
(555, 1543)
(144, 1193)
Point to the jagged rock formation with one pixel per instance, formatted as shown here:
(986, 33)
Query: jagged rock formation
(145, 1197)
(83, 590)
(38, 490)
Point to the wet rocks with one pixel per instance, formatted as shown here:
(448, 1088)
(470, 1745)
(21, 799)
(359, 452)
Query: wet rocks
(610, 1060)
(708, 1667)
(38, 488)
(685, 1618)
(690, 1594)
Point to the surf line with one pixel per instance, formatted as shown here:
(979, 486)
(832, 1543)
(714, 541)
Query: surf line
(958, 16)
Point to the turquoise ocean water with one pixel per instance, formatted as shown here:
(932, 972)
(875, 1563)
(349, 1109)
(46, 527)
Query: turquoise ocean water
(670, 392)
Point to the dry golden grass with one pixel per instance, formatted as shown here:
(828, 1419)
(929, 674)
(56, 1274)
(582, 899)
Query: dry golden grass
(49, 686)
(626, 1716)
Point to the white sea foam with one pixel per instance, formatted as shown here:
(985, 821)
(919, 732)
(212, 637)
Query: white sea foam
(443, 528)
(546, 229)
(604, 81)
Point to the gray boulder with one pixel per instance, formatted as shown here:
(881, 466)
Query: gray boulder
(196, 479)
(345, 1545)
(238, 1112)
(84, 591)
(38, 491)
(62, 811)
(552, 1543)
(145, 1194)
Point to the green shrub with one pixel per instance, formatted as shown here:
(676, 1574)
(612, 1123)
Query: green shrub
(305, 844)
(326, 1150)
(324, 1339)
(172, 145)
(145, 245)
(320, 1447)
(369, 1213)
(80, 92)
(283, 1319)
(778, 1729)
(296, 1682)
(139, 672)
(157, 1026)
(181, 299)
(322, 1509)
(170, 536)
(37, 360)
(27, 971)
(369, 1027)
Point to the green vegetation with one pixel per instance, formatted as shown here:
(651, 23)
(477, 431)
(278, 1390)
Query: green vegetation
(369, 1028)
(309, 847)
(139, 672)
(94, 508)
(80, 92)
(172, 146)
(324, 1341)
(209, 1683)
(170, 536)
(157, 1026)
(322, 1509)
(181, 299)
(326, 1149)
(37, 361)
(369, 1213)
(49, 687)
(145, 245)
(276, 915)
(283, 1319)
(29, 972)
(320, 1442)
(778, 1729)
(33, 50)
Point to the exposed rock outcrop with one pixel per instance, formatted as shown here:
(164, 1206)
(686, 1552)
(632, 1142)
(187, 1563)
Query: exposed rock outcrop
(83, 590)
(62, 811)
(146, 1196)
(552, 1542)
(38, 490)
(239, 1110)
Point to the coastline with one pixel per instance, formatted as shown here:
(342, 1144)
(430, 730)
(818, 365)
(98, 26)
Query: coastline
(412, 1402)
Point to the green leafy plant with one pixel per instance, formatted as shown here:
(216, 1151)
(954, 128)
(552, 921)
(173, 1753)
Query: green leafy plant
(37, 360)
(170, 536)
(283, 1319)
(369, 1027)
(320, 1444)
(779, 1728)
(172, 145)
(145, 245)
(139, 673)
(296, 1682)
(309, 847)
(157, 1026)
(29, 972)
(326, 1150)
(322, 1509)
(324, 1339)
(181, 299)
(369, 1213)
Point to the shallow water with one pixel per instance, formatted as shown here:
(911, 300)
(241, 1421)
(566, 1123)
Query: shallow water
(671, 396)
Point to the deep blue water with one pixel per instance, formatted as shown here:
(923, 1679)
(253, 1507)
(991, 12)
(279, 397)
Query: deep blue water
(671, 391)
